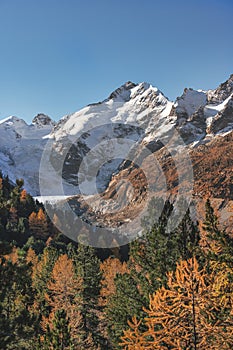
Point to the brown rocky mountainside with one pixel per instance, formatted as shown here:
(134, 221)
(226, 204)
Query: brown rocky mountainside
(212, 174)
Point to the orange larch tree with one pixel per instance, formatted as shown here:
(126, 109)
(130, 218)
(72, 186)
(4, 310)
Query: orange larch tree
(13, 255)
(110, 268)
(64, 293)
(38, 224)
(32, 258)
(23, 195)
(185, 315)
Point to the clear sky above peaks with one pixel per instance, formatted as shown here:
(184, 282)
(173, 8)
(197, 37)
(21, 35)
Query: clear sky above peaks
(57, 56)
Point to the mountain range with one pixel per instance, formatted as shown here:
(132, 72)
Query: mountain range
(126, 149)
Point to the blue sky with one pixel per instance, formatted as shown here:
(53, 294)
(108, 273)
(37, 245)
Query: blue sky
(56, 56)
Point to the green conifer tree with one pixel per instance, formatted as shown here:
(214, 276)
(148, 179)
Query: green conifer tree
(17, 321)
(58, 336)
(219, 242)
(87, 266)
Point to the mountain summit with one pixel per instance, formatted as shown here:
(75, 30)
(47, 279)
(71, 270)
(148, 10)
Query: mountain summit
(42, 120)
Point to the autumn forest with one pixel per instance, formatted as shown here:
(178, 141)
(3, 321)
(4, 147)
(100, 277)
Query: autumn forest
(165, 290)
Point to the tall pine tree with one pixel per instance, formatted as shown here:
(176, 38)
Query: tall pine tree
(87, 266)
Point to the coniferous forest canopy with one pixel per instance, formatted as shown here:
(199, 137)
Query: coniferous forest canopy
(164, 291)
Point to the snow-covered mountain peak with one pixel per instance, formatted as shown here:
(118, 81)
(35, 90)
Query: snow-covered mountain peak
(21, 147)
(137, 92)
(41, 120)
(222, 92)
(190, 101)
(13, 121)
(123, 92)
(131, 104)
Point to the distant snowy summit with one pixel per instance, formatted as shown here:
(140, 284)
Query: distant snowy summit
(41, 120)
(137, 112)
(21, 148)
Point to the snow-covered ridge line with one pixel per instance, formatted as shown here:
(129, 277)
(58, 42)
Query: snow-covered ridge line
(139, 112)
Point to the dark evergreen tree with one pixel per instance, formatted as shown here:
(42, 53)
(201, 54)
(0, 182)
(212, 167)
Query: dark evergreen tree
(41, 278)
(211, 220)
(219, 242)
(188, 238)
(17, 321)
(7, 187)
(126, 301)
(37, 245)
(58, 336)
(87, 267)
(15, 208)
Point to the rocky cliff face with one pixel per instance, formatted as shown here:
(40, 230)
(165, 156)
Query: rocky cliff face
(222, 92)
